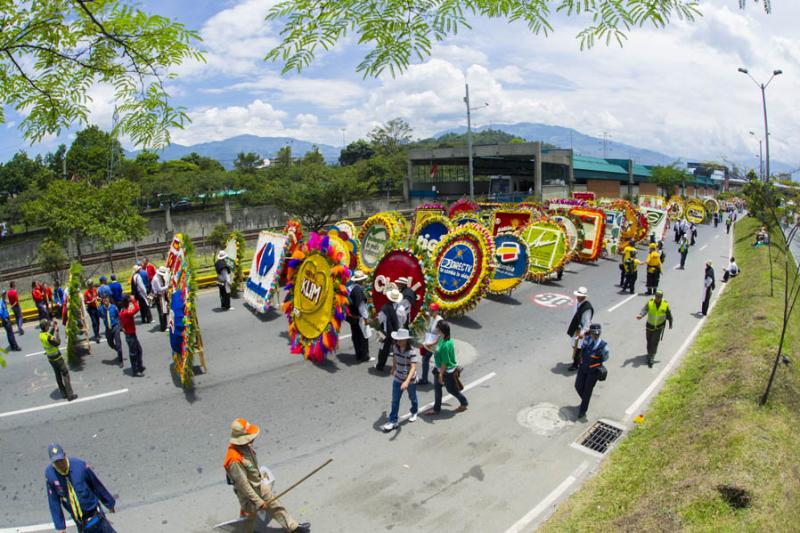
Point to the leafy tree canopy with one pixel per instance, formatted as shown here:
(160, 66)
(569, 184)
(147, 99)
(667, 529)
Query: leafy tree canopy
(53, 51)
(248, 162)
(202, 162)
(397, 33)
(390, 137)
(669, 177)
(355, 151)
(89, 156)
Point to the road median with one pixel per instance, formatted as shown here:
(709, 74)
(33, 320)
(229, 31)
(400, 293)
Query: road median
(707, 457)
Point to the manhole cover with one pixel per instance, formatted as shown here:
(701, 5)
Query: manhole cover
(599, 437)
(543, 419)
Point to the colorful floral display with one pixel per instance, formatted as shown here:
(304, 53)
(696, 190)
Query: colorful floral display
(512, 258)
(695, 211)
(404, 262)
(430, 231)
(374, 238)
(462, 206)
(547, 243)
(423, 211)
(675, 208)
(593, 221)
(509, 219)
(265, 270)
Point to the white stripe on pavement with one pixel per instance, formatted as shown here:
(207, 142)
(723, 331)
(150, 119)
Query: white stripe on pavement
(523, 523)
(63, 403)
(467, 387)
(35, 353)
(343, 337)
(626, 300)
(30, 529)
(703, 247)
(717, 236)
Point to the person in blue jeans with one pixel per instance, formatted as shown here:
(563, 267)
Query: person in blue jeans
(404, 370)
(444, 372)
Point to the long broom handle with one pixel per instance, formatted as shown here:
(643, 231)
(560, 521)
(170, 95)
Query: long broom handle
(320, 467)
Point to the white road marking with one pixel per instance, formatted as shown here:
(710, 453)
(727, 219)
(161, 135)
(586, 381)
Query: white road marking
(626, 300)
(678, 355)
(35, 353)
(63, 403)
(343, 337)
(703, 247)
(30, 529)
(717, 236)
(467, 387)
(524, 523)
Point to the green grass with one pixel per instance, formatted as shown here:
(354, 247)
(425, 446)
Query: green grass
(705, 429)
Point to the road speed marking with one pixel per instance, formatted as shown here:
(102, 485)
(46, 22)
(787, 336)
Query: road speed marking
(553, 300)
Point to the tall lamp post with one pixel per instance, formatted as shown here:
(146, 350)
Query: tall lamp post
(469, 140)
(760, 157)
(763, 87)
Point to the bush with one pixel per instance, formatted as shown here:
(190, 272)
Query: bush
(52, 258)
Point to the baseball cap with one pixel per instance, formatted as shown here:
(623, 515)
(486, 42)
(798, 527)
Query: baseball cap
(56, 452)
(595, 328)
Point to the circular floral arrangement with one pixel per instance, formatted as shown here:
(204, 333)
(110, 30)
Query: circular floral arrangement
(675, 208)
(711, 205)
(429, 232)
(374, 238)
(593, 222)
(346, 226)
(695, 211)
(547, 243)
(631, 228)
(423, 211)
(464, 265)
(513, 260)
(294, 230)
(462, 206)
(316, 298)
(574, 230)
(467, 217)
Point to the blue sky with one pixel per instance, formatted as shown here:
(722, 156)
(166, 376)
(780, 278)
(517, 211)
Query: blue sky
(674, 90)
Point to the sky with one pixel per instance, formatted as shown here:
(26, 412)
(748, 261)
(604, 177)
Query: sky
(674, 90)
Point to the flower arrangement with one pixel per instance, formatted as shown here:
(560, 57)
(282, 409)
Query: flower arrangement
(575, 233)
(418, 229)
(594, 218)
(462, 205)
(519, 218)
(348, 227)
(316, 348)
(508, 284)
(294, 229)
(538, 270)
(183, 280)
(478, 239)
(423, 211)
(466, 217)
(238, 268)
(675, 208)
(385, 220)
(74, 312)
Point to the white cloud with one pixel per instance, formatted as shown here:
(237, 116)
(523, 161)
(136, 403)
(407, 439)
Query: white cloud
(321, 92)
(218, 123)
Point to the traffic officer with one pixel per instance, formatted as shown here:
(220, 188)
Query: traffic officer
(241, 468)
(653, 268)
(357, 316)
(626, 254)
(73, 485)
(50, 341)
(658, 314)
(593, 353)
(683, 249)
(630, 267)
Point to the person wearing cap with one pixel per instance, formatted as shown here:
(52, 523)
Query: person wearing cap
(5, 318)
(90, 300)
(116, 289)
(404, 370)
(658, 314)
(109, 314)
(683, 250)
(445, 372)
(593, 353)
(50, 339)
(159, 286)
(631, 266)
(430, 341)
(390, 322)
(223, 279)
(579, 325)
(73, 485)
(241, 468)
(409, 298)
(357, 315)
(708, 287)
(654, 268)
(127, 322)
(626, 254)
(139, 291)
(103, 290)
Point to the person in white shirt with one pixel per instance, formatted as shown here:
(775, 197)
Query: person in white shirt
(732, 271)
(139, 291)
(429, 342)
(159, 287)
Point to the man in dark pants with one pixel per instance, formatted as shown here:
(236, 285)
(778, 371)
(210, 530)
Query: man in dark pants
(73, 485)
(357, 315)
(683, 249)
(658, 314)
(91, 300)
(387, 316)
(580, 323)
(709, 286)
(50, 341)
(13, 303)
(223, 270)
(409, 298)
(127, 313)
(594, 351)
(5, 317)
(110, 316)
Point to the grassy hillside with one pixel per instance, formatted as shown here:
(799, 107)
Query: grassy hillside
(708, 457)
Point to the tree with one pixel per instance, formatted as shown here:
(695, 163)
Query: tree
(54, 51)
(316, 193)
(248, 162)
(202, 162)
(118, 219)
(148, 161)
(397, 33)
(52, 259)
(313, 157)
(218, 237)
(55, 160)
(89, 156)
(389, 138)
(669, 178)
(355, 151)
(21, 173)
(284, 157)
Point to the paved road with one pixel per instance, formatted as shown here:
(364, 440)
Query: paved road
(161, 451)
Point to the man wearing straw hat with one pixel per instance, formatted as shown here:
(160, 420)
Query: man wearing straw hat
(390, 322)
(241, 467)
(223, 279)
(579, 324)
(357, 316)
(409, 297)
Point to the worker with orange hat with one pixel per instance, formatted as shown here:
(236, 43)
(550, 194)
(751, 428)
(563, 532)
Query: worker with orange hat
(241, 467)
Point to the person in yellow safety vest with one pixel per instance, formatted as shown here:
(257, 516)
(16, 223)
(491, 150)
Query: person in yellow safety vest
(50, 341)
(630, 267)
(626, 254)
(653, 268)
(658, 314)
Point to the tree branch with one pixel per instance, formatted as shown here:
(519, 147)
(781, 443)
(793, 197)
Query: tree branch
(30, 80)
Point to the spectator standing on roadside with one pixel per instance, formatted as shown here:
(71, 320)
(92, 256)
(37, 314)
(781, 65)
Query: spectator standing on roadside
(404, 371)
(103, 289)
(728, 222)
(110, 316)
(13, 302)
(708, 287)
(127, 322)
(159, 286)
(387, 316)
(39, 300)
(429, 342)
(90, 300)
(139, 290)
(116, 289)
(5, 318)
(594, 352)
(59, 299)
(445, 372)
(579, 325)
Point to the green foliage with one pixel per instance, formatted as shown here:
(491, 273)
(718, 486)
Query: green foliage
(313, 157)
(238, 271)
(74, 312)
(284, 157)
(355, 152)
(316, 193)
(21, 173)
(203, 163)
(399, 33)
(55, 51)
(118, 219)
(761, 198)
(389, 138)
(669, 178)
(218, 236)
(382, 172)
(52, 258)
(490, 136)
(247, 163)
(90, 155)
(193, 338)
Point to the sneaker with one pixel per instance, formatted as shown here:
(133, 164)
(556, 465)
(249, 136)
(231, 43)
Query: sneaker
(431, 412)
(573, 367)
(388, 426)
(303, 527)
(413, 417)
(461, 408)
(72, 397)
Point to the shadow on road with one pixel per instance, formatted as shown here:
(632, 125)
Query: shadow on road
(562, 369)
(503, 299)
(636, 361)
(466, 322)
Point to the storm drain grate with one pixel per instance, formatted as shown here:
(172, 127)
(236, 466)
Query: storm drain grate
(599, 437)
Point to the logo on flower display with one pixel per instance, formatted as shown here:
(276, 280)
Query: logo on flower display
(456, 267)
(508, 252)
(430, 235)
(265, 259)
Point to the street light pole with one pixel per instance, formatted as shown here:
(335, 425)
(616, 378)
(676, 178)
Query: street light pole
(760, 157)
(469, 140)
(763, 87)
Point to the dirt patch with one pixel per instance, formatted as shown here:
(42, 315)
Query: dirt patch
(735, 497)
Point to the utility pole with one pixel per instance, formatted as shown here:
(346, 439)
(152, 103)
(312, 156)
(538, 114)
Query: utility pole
(112, 135)
(763, 87)
(469, 145)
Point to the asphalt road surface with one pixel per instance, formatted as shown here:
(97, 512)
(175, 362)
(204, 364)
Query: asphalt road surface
(497, 467)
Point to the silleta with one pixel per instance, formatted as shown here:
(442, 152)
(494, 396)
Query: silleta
(310, 290)
(451, 264)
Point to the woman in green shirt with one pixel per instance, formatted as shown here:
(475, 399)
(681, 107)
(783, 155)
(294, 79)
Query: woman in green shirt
(445, 360)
